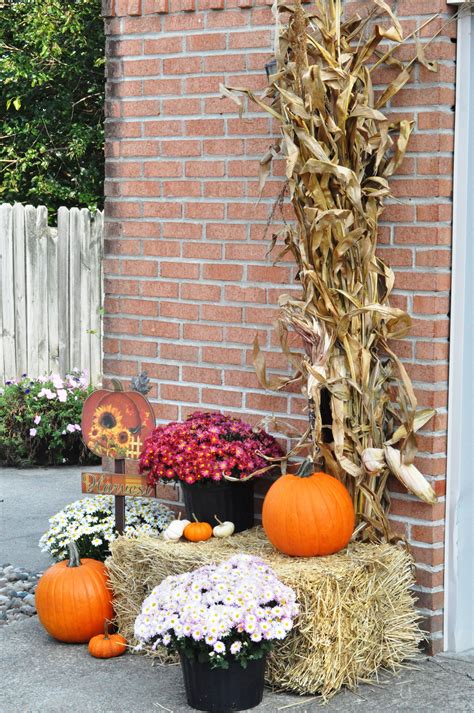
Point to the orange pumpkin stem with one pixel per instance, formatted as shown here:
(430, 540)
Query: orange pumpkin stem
(195, 518)
(74, 559)
(106, 629)
(306, 469)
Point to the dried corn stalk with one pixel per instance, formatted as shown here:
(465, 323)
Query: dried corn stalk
(340, 151)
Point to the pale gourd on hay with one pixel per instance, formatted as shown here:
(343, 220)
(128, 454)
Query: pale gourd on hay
(357, 611)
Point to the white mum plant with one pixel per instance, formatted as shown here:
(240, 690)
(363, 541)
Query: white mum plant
(232, 611)
(90, 523)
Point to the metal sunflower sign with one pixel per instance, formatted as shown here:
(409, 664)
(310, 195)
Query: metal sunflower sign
(116, 423)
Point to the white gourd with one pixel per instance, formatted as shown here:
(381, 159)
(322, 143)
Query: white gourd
(223, 529)
(175, 529)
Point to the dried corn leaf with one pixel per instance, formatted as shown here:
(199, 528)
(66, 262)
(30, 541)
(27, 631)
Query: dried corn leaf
(393, 88)
(421, 57)
(398, 28)
(420, 419)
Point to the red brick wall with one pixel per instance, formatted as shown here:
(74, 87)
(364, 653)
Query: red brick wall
(188, 282)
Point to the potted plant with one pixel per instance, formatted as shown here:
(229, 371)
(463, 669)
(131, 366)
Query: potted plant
(222, 620)
(214, 458)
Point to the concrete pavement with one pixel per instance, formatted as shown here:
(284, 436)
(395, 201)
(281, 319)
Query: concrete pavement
(40, 675)
(28, 497)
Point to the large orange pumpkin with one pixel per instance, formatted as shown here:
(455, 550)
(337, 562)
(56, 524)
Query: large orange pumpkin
(72, 598)
(308, 516)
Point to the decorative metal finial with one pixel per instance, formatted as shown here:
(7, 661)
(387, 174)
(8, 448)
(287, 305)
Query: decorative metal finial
(141, 383)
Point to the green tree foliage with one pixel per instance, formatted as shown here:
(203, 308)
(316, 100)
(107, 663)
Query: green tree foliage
(51, 103)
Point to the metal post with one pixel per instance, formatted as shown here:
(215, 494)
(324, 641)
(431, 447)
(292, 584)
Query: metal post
(120, 500)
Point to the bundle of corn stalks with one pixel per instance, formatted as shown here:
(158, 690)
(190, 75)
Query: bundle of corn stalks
(340, 150)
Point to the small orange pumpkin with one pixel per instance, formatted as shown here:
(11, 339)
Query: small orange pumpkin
(197, 531)
(72, 598)
(307, 516)
(106, 645)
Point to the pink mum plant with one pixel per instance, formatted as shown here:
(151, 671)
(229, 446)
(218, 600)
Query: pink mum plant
(206, 447)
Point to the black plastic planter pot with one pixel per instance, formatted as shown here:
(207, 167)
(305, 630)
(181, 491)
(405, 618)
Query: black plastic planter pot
(220, 690)
(227, 500)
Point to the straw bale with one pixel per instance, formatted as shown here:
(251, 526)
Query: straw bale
(357, 610)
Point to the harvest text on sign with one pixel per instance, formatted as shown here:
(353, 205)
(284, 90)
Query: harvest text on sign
(117, 484)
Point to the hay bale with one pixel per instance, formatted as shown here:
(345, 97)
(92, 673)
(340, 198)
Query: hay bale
(357, 611)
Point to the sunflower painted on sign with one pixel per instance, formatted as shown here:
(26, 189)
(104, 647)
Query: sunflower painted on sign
(108, 417)
(116, 423)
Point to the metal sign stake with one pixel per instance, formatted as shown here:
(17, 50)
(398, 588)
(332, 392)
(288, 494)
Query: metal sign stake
(120, 500)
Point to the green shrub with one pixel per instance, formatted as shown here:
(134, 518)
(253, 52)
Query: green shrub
(40, 420)
(52, 103)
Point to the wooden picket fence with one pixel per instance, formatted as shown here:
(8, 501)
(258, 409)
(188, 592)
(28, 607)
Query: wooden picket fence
(51, 291)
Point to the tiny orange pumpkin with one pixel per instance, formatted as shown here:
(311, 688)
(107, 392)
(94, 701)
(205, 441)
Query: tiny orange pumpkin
(197, 531)
(106, 645)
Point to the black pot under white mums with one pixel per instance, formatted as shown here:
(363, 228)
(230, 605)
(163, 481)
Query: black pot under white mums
(222, 619)
(218, 690)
